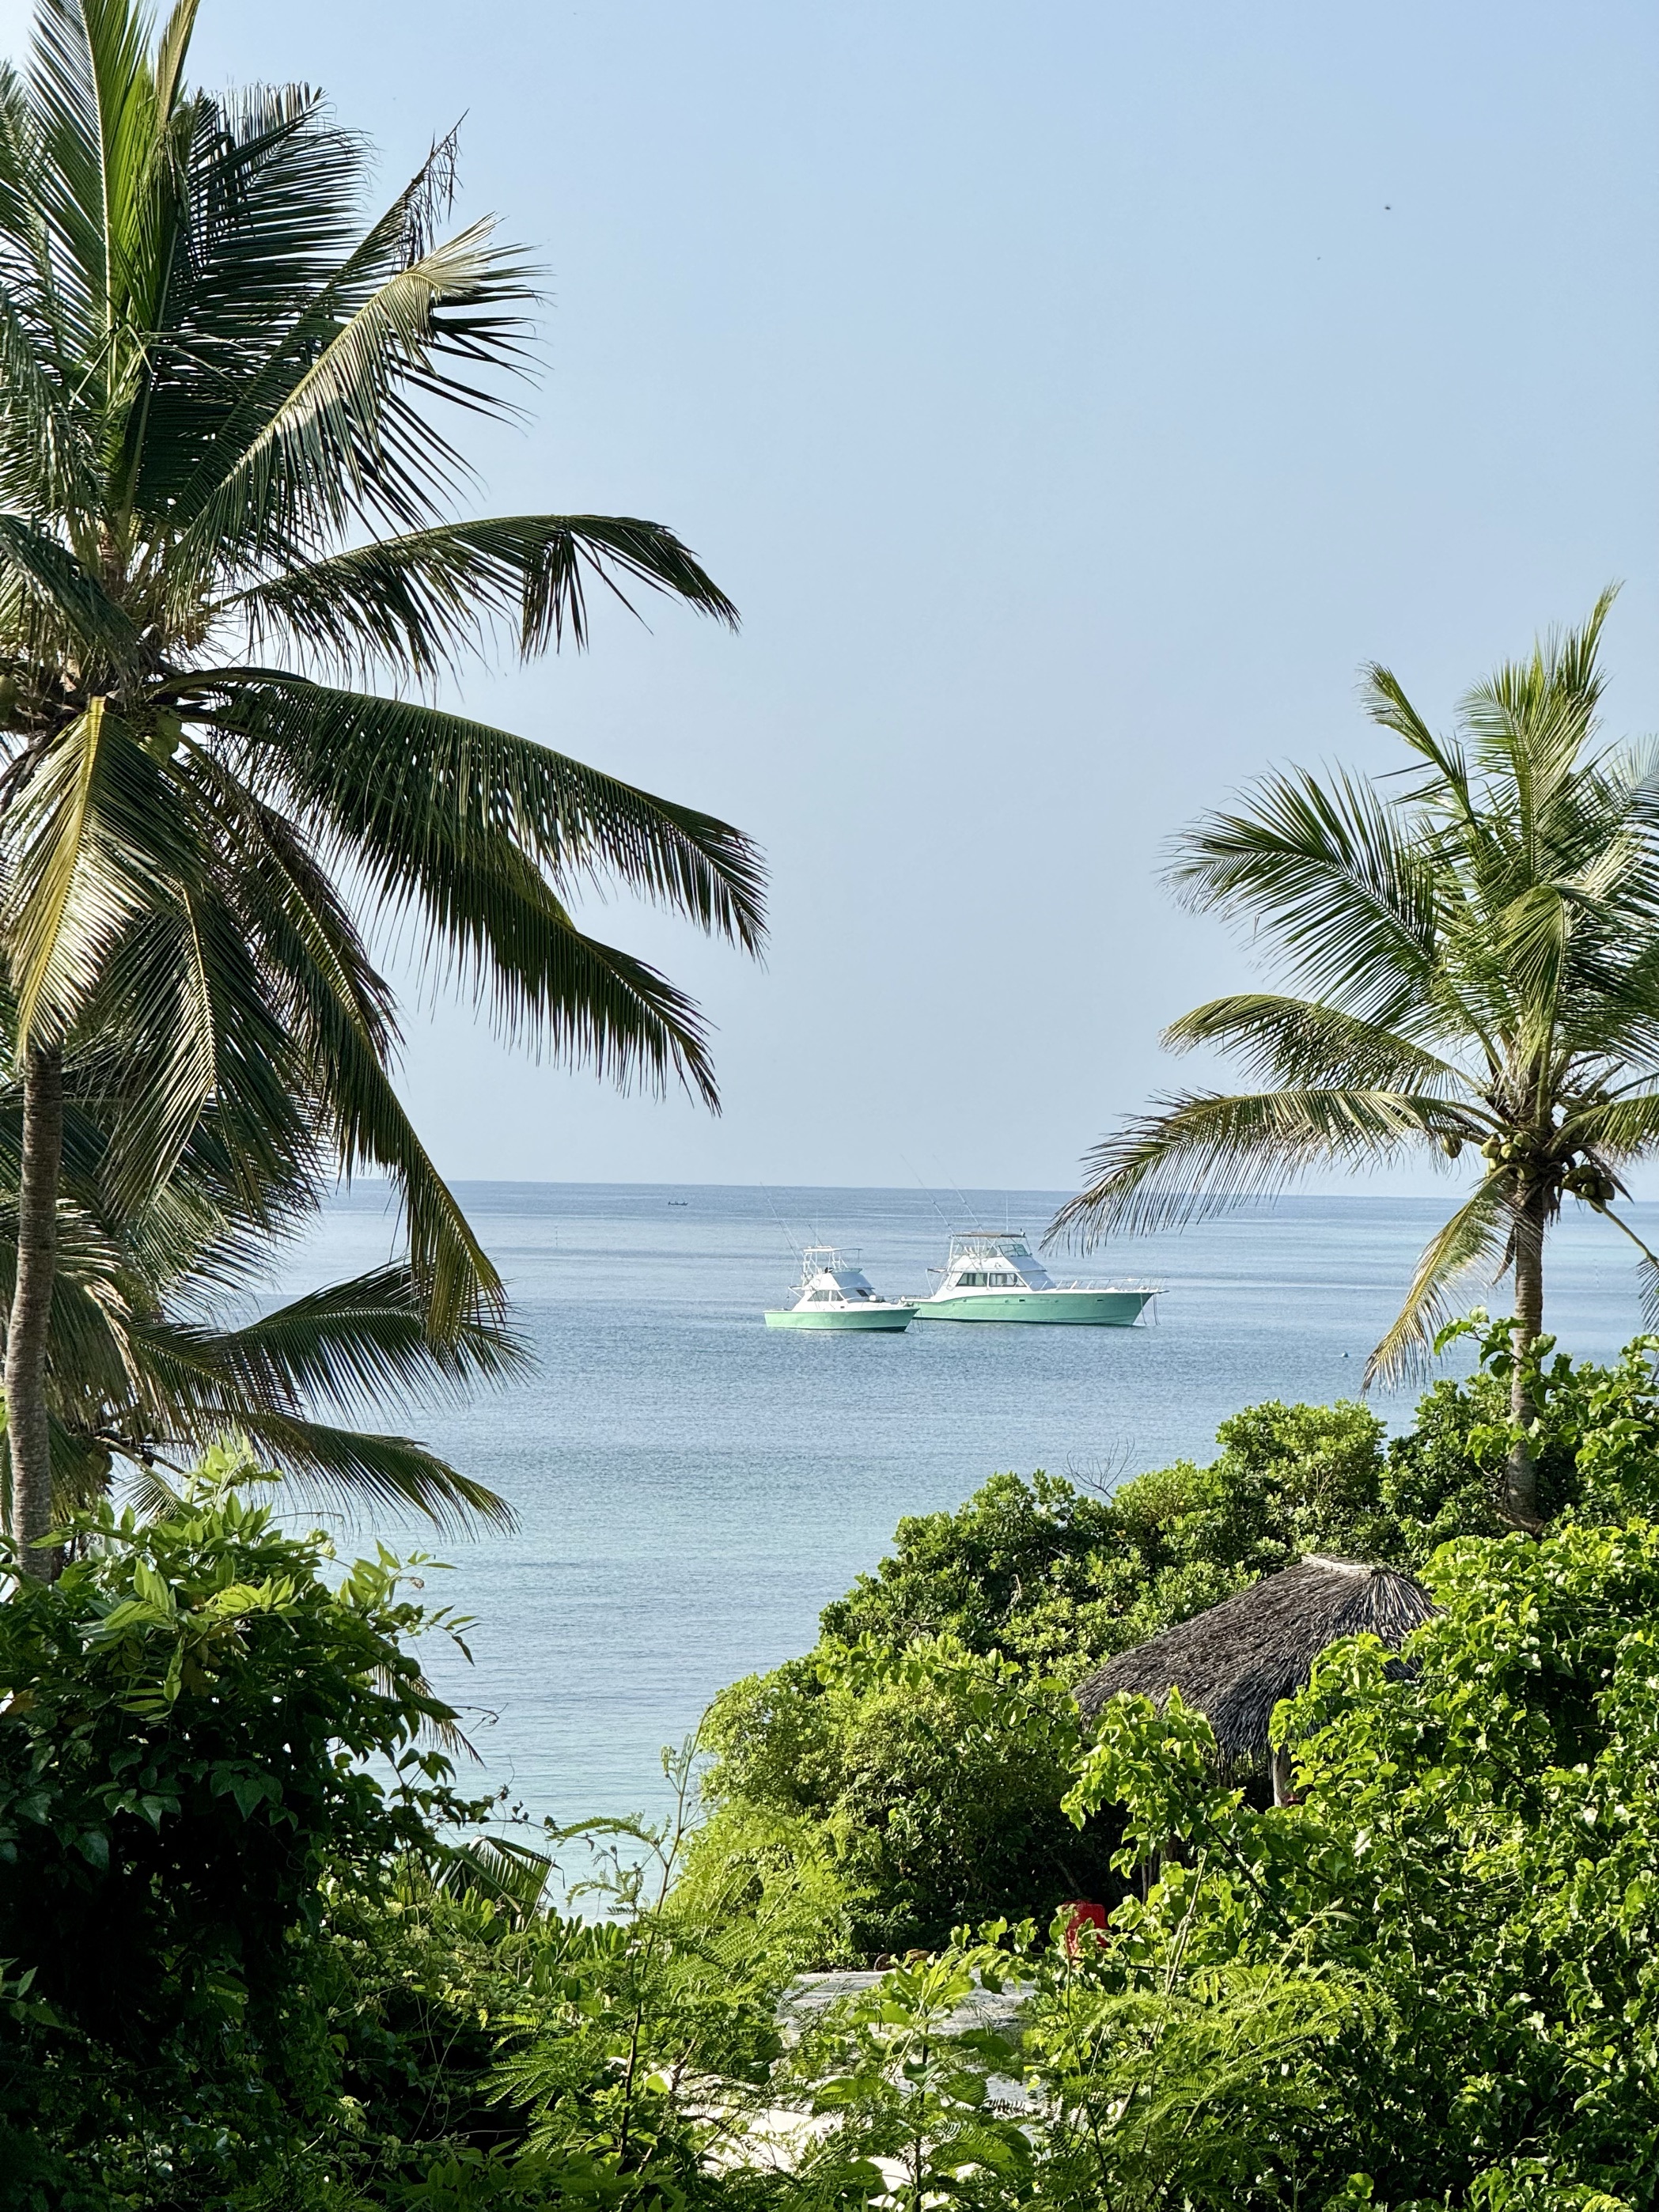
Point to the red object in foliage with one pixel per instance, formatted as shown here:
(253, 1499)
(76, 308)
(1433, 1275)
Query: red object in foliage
(1080, 1913)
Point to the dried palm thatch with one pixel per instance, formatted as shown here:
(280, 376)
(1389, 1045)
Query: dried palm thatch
(1235, 1662)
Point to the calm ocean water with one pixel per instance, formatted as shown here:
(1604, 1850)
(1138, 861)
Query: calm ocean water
(691, 1487)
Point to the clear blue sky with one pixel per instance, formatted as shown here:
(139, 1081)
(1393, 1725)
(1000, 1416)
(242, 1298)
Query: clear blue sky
(1072, 396)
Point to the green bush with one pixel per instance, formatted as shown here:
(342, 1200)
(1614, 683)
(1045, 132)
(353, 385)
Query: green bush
(876, 1780)
(927, 1776)
(1011, 1570)
(186, 1717)
(1041, 1571)
(1473, 1858)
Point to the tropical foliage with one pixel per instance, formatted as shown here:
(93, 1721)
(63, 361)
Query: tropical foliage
(907, 1774)
(148, 1374)
(250, 1954)
(254, 1956)
(229, 499)
(1044, 1571)
(257, 1950)
(1472, 1856)
(185, 1715)
(905, 1789)
(1473, 951)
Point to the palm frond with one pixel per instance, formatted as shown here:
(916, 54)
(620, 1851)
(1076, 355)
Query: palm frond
(151, 1495)
(409, 793)
(127, 1377)
(172, 49)
(117, 918)
(1476, 1236)
(1304, 1041)
(349, 442)
(1204, 1152)
(358, 1344)
(413, 602)
(456, 1278)
(66, 608)
(515, 952)
(90, 844)
(1349, 900)
(1531, 719)
(1384, 699)
(291, 908)
(346, 1469)
(48, 463)
(95, 95)
(1534, 940)
(266, 210)
(499, 1867)
(206, 1036)
(294, 945)
(1620, 1129)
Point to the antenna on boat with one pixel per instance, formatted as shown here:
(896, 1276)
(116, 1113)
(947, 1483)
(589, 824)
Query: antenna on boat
(796, 1246)
(966, 1210)
(926, 1193)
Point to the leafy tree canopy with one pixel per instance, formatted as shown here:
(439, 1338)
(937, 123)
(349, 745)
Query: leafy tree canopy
(1472, 1855)
(906, 1770)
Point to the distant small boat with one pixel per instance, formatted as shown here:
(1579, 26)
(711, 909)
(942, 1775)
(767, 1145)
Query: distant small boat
(992, 1278)
(834, 1293)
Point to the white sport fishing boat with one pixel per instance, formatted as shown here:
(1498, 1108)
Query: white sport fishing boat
(992, 1278)
(834, 1292)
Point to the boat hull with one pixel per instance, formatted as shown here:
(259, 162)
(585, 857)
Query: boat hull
(885, 1318)
(1052, 1309)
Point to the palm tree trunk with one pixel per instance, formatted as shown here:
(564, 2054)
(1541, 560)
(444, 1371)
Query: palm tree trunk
(1521, 1487)
(26, 1429)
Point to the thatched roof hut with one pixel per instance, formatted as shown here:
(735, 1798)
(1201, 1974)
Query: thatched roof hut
(1235, 1662)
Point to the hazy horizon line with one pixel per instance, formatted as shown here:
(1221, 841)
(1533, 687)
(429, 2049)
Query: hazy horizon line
(902, 1189)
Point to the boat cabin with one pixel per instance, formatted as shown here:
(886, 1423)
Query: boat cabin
(981, 1261)
(829, 1277)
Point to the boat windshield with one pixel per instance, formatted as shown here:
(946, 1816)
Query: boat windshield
(982, 1260)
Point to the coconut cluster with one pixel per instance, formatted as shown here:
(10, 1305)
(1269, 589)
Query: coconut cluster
(1585, 1177)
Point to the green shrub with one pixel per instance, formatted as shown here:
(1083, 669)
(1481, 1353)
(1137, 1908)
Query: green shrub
(185, 1718)
(1042, 1571)
(879, 1782)
(930, 1775)
(1473, 1856)
(1011, 1570)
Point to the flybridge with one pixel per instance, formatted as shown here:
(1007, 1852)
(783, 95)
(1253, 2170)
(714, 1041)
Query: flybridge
(982, 1259)
(839, 1270)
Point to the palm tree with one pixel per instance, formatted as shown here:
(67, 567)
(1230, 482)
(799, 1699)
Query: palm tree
(228, 500)
(1474, 948)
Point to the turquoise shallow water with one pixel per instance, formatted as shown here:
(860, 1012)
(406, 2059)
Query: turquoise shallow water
(692, 1486)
